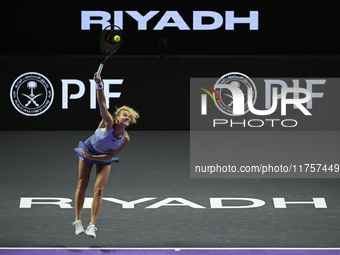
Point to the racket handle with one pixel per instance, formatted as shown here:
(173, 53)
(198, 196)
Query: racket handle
(100, 69)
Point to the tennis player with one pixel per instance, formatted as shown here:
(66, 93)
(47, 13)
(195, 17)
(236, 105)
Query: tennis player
(101, 149)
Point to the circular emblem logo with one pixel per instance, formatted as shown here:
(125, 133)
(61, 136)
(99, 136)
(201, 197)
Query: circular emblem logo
(242, 82)
(32, 94)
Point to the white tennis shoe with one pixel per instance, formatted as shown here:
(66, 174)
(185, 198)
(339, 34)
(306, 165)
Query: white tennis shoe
(78, 227)
(91, 230)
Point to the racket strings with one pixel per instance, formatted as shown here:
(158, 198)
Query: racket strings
(107, 43)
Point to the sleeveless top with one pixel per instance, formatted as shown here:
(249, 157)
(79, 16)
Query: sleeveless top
(103, 142)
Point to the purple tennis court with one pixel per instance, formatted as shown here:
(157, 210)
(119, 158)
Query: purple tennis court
(171, 252)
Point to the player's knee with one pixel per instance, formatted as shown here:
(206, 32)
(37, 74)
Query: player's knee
(98, 191)
(82, 185)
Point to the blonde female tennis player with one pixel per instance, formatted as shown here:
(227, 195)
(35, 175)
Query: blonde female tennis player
(101, 149)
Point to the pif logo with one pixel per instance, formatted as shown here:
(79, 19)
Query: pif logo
(32, 94)
(235, 94)
(230, 92)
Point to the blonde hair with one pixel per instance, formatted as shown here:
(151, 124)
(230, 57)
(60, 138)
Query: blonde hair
(133, 114)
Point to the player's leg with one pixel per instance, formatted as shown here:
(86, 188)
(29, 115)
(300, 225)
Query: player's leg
(103, 173)
(83, 181)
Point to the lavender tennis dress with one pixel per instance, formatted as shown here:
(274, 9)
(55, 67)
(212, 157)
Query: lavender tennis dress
(100, 143)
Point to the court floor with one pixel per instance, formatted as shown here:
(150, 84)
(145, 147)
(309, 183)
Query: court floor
(150, 200)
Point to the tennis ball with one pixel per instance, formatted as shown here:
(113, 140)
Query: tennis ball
(116, 38)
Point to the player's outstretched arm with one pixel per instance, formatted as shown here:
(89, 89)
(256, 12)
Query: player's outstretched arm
(104, 113)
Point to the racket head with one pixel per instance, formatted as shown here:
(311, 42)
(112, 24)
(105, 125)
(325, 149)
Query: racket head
(107, 44)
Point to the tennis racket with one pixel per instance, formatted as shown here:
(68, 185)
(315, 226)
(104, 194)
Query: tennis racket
(110, 40)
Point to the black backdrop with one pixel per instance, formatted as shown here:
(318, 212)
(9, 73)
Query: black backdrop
(295, 39)
(285, 27)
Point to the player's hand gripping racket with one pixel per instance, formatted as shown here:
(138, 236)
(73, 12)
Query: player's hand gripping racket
(110, 40)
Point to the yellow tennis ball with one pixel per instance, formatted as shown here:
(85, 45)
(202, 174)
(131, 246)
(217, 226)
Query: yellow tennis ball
(116, 38)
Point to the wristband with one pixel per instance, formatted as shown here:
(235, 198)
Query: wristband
(99, 86)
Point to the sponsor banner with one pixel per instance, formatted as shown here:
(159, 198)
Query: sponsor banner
(237, 102)
(175, 27)
(58, 92)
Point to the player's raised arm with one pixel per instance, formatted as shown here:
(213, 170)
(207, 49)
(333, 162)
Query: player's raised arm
(104, 113)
